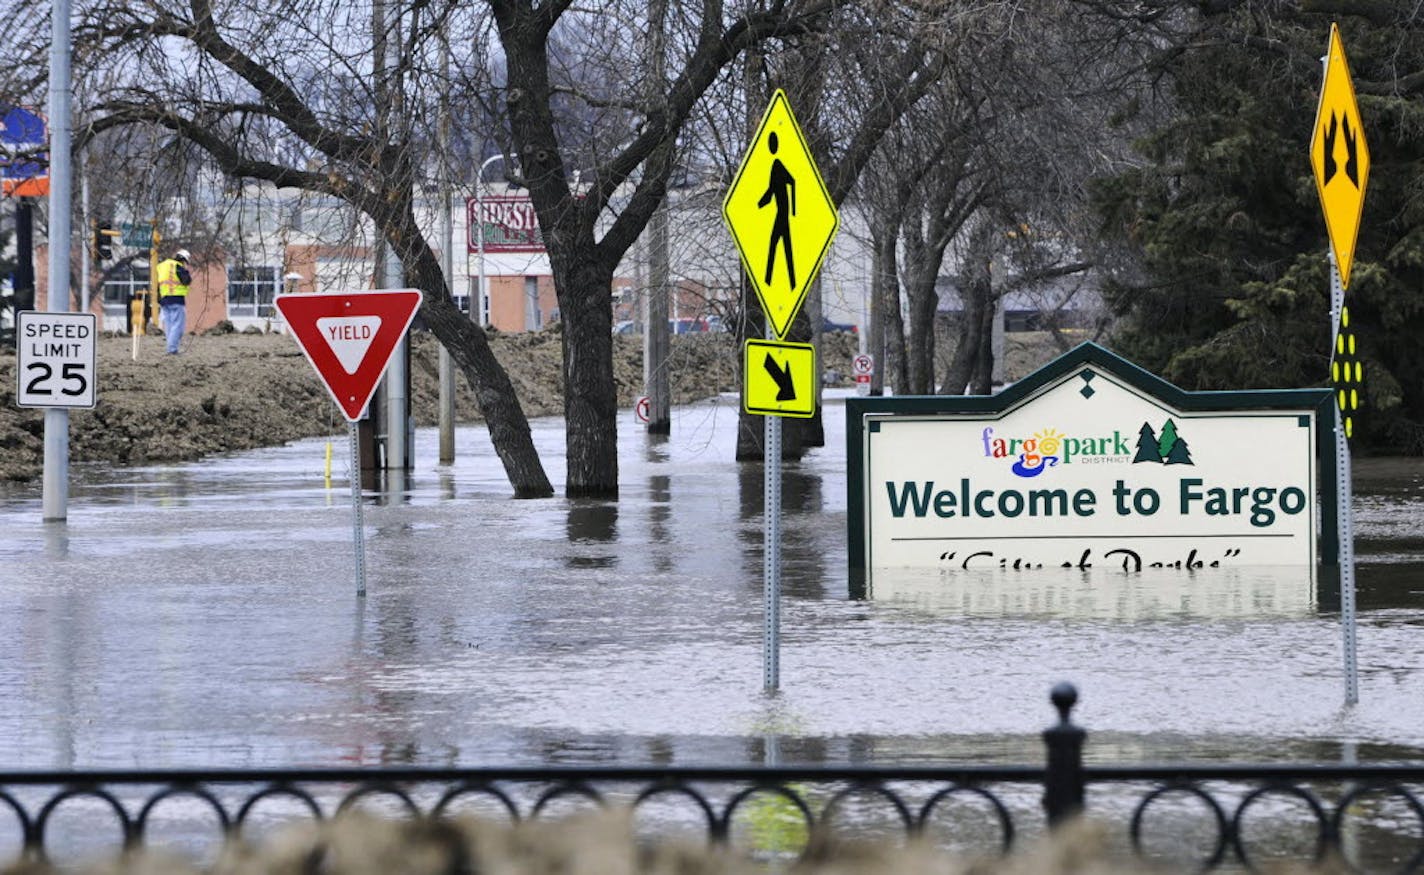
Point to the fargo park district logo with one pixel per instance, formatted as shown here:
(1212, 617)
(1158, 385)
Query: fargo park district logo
(1048, 447)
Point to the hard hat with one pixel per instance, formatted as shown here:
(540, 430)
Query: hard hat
(182, 255)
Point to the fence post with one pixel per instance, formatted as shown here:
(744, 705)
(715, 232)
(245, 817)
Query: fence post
(1063, 781)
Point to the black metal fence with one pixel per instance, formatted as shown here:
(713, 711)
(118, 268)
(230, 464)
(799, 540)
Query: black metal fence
(1366, 816)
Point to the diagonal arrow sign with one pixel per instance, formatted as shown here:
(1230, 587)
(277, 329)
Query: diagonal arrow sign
(779, 378)
(786, 389)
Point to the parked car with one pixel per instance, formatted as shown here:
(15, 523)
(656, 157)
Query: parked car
(827, 326)
(687, 326)
(675, 326)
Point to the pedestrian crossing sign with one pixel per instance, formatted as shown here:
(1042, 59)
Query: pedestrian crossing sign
(780, 215)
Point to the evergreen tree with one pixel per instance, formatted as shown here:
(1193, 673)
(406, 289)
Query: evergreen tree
(1225, 220)
(1168, 438)
(1146, 446)
(1179, 455)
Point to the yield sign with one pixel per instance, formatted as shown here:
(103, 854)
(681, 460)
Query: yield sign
(349, 338)
(780, 214)
(1339, 156)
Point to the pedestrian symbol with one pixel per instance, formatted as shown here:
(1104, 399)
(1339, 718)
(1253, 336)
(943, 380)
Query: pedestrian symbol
(1340, 157)
(782, 187)
(780, 215)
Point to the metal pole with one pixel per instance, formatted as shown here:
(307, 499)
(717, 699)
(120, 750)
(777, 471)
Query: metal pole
(480, 245)
(358, 521)
(56, 420)
(397, 382)
(1344, 489)
(447, 246)
(771, 553)
(480, 237)
(84, 239)
(1345, 485)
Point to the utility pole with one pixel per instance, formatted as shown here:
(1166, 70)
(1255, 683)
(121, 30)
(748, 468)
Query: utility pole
(447, 247)
(397, 381)
(56, 419)
(84, 250)
(657, 341)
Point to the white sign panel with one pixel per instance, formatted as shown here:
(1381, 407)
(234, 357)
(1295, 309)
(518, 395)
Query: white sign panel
(57, 359)
(1090, 472)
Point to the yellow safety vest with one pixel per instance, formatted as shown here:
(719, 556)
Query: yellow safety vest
(168, 282)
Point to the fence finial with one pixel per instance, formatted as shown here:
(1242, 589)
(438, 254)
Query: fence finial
(1064, 696)
(1063, 783)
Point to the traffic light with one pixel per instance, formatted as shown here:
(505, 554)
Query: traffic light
(104, 242)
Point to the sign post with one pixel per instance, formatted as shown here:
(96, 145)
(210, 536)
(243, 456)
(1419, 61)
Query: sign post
(863, 366)
(350, 338)
(1340, 158)
(780, 216)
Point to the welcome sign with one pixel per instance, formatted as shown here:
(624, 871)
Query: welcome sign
(1091, 462)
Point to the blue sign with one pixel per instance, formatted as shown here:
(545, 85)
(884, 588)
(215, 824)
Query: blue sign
(23, 141)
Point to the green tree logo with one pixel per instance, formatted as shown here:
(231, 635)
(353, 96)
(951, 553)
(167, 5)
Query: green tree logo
(1168, 439)
(1168, 448)
(1147, 446)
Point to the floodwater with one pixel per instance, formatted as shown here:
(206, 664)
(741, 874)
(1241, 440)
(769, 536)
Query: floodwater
(205, 614)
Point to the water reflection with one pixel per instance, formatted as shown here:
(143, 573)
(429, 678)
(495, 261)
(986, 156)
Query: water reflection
(659, 514)
(394, 483)
(592, 523)
(56, 538)
(1094, 594)
(803, 560)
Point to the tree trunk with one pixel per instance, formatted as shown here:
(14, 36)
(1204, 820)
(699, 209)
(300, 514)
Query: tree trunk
(975, 293)
(590, 394)
(983, 379)
(920, 354)
(811, 432)
(751, 325)
(897, 359)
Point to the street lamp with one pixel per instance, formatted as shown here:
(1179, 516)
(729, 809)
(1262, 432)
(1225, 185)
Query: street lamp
(289, 286)
(480, 239)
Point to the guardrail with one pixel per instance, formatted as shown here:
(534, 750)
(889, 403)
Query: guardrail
(914, 798)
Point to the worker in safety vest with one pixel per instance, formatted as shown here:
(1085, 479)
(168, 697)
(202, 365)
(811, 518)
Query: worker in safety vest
(173, 280)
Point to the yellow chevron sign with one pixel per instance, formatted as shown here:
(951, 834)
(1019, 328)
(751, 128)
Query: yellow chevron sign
(1339, 156)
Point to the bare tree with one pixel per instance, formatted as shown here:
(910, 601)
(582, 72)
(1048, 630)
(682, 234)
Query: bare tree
(300, 96)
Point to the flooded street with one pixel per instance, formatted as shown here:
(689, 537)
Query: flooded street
(205, 615)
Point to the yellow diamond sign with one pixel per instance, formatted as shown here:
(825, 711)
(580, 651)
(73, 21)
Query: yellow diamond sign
(780, 214)
(780, 378)
(1339, 156)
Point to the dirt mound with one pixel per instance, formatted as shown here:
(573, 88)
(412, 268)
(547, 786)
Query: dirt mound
(242, 391)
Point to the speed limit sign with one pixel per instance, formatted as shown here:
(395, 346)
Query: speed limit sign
(57, 361)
